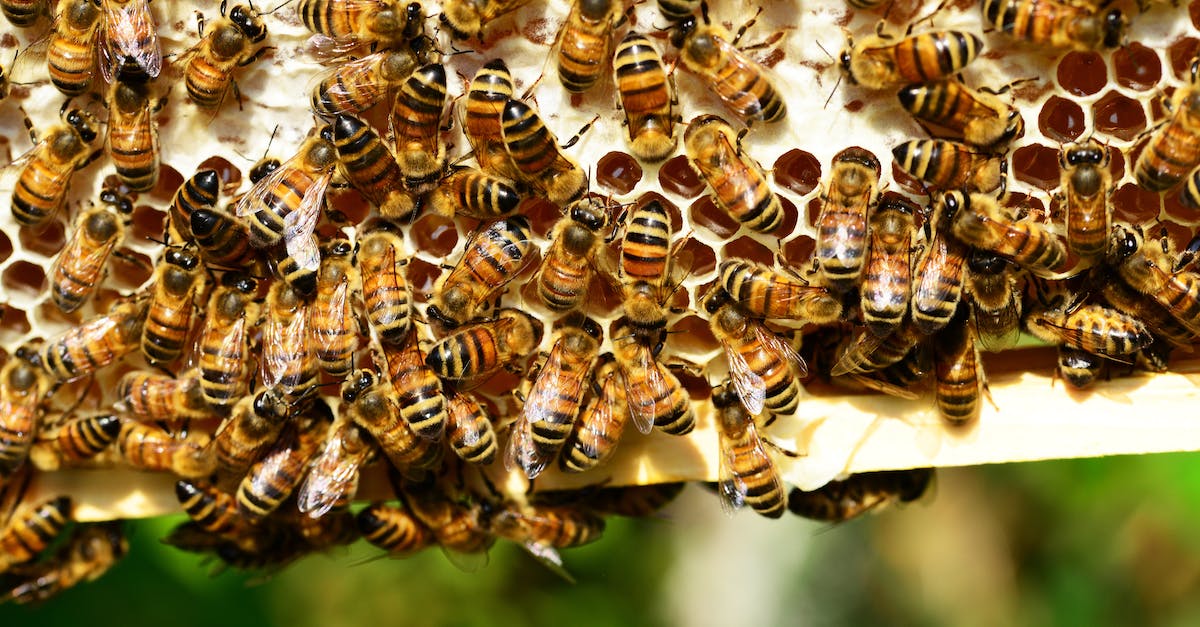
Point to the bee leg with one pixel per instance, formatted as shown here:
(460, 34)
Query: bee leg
(258, 54)
(745, 26)
(575, 139)
(786, 452)
(33, 134)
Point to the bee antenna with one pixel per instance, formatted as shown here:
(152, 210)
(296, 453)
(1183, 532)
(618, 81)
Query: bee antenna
(277, 7)
(832, 92)
(831, 57)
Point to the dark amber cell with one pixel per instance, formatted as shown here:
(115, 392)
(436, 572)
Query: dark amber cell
(677, 176)
(798, 252)
(603, 298)
(697, 257)
(1119, 115)
(1061, 120)
(1181, 54)
(435, 235)
(348, 207)
(14, 322)
(47, 241)
(6, 247)
(169, 180)
(1178, 212)
(230, 175)
(1194, 13)
(797, 171)
(1036, 165)
(672, 210)
(1178, 234)
(148, 223)
(619, 172)
(1117, 165)
(421, 277)
(130, 274)
(696, 386)
(542, 214)
(1135, 205)
(705, 213)
(1137, 67)
(790, 215)
(814, 211)
(1024, 205)
(748, 248)
(693, 336)
(1082, 73)
(23, 276)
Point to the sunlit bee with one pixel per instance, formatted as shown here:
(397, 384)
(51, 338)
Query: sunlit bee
(350, 23)
(647, 97)
(1078, 368)
(601, 422)
(634, 501)
(83, 261)
(32, 531)
(393, 529)
(979, 117)
(887, 278)
(467, 18)
(868, 352)
(882, 60)
(1086, 185)
(416, 127)
(1173, 150)
(958, 372)
(250, 429)
(151, 396)
(1092, 328)
(355, 86)
(201, 191)
(980, 221)
(224, 340)
(748, 475)
(178, 279)
(132, 141)
(454, 519)
(1151, 313)
(554, 400)
(229, 44)
(535, 153)
(1056, 24)
(372, 404)
(655, 396)
(45, 171)
(585, 43)
(474, 194)
(769, 293)
(22, 389)
(272, 479)
(568, 265)
(298, 271)
(474, 353)
(71, 52)
(938, 276)
(743, 84)
(95, 343)
(286, 205)
(417, 391)
(469, 429)
(215, 511)
(841, 248)
(760, 362)
(332, 479)
(996, 304)
(288, 357)
(223, 239)
(382, 260)
(150, 448)
(947, 165)
(493, 257)
(542, 529)
(90, 551)
(490, 90)
(331, 317)
(130, 49)
(846, 499)
(646, 268)
(370, 167)
(23, 13)
(75, 442)
(737, 181)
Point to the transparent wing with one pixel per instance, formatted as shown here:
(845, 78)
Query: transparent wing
(254, 199)
(337, 306)
(606, 419)
(280, 347)
(466, 562)
(337, 90)
(730, 485)
(520, 442)
(30, 64)
(750, 387)
(130, 33)
(864, 344)
(643, 396)
(334, 475)
(777, 345)
(326, 49)
(303, 220)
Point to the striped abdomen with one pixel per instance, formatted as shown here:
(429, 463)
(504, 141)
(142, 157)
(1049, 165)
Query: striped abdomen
(31, 532)
(418, 392)
(469, 430)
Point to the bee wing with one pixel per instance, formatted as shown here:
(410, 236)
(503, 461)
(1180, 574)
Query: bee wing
(883, 386)
(252, 200)
(750, 387)
(328, 483)
(520, 440)
(864, 344)
(732, 488)
(642, 399)
(30, 64)
(303, 221)
(336, 305)
(466, 562)
(326, 49)
(607, 418)
(130, 32)
(778, 345)
(278, 348)
(337, 90)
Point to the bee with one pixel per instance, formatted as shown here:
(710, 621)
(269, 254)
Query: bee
(71, 49)
(760, 362)
(948, 165)
(634, 501)
(980, 221)
(272, 479)
(841, 247)
(1147, 270)
(567, 267)
(372, 404)
(1078, 368)
(1056, 24)
(676, 10)
(469, 429)
(647, 269)
(655, 396)
(1172, 151)
(868, 352)
(96, 343)
(467, 18)
(331, 317)
(250, 429)
(493, 257)
(132, 141)
(150, 396)
(738, 182)
(393, 529)
(74, 442)
(416, 127)
(222, 238)
(382, 260)
(1087, 184)
(287, 203)
(887, 279)
(938, 277)
(456, 520)
(601, 422)
(542, 529)
(1165, 327)
(490, 90)
(537, 157)
(229, 45)
(130, 49)
(200, 192)
(585, 43)
(23, 13)
(995, 300)
(288, 358)
(902, 378)
(90, 551)
(882, 60)
(553, 401)
(741, 83)
(417, 391)
(474, 353)
(179, 277)
(153, 449)
(216, 512)
(370, 167)
(1092, 328)
(748, 475)
(473, 193)
(647, 97)
(46, 170)
(350, 23)
(355, 86)
(224, 340)
(82, 263)
(957, 371)
(332, 479)
(768, 293)
(846, 499)
(30, 532)
(979, 117)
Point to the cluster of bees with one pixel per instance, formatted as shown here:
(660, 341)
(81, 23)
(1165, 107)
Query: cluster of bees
(292, 328)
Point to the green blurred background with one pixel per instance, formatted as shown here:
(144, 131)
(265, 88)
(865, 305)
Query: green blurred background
(1105, 541)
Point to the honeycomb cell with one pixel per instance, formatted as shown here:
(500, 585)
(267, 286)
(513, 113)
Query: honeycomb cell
(619, 172)
(435, 235)
(148, 223)
(348, 207)
(6, 247)
(1176, 211)
(13, 324)
(47, 241)
(604, 297)
(702, 258)
(1135, 205)
(1061, 120)
(1082, 73)
(1181, 53)
(542, 214)
(706, 214)
(1137, 67)
(787, 226)
(169, 180)
(24, 277)
(230, 175)
(797, 171)
(1119, 115)
(1036, 165)
(692, 335)
(1117, 164)
(748, 248)
(697, 387)
(130, 270)
(677, 176)
(422, 275)
(1194, 13)
(1024, 205)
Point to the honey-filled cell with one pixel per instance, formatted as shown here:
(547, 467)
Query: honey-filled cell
(422, 276)
(435, 235)
(46, 241)
(6, 247)
(1082, 73)
(1180, 53)
(1137, 67)
(169, 180)
(797, 171)
(1119, 115)
(706, 214)
(24, 277)
(1036, 165)
(618, 172)
(1061, 120)
(678, 177)
(748, 248)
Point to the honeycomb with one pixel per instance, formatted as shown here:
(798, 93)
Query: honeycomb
(1112, 95)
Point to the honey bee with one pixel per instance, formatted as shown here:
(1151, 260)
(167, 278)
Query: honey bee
(979, 117)
(228, 46)
(1156, 317)
(902, 378)
(351, 23)
(887, 280)
(416, 127)
(995, 300)
(417, 391)
(201, 191)
(868, 352)
(543, 529)
(132, 140)
(287, 203)
(332, 479)
(938, 277)
(179, 277)
(1172, 151)
(288, 358)
(90, 551)
(393, 529)
(150, 448)
(768, 293)
(45, 171)
(1078, 368)
(224, 340)
(469, 429)
(585, 43)
(82, 263)
(634, 501)
(130, 49)
(74, 442)
(151, 396)
(1148, 270)
(490, 90)
(1087, 184)
(1056, 24)
(676, 10)
(355, 86)
(493, 257)
(655, 396)
(882, 60)
(96, 343)
(740, 82)
(30, 532)
(843, 500)
(371, 403)
(331, 317)
(23, 13)
(738, 182)
(646, 268)
(250, 429)
(474, 353)
(553, 402)
(567, 267)
(647, 97)
(71, 48)
(947, 165)
(1092, 328)
(601, 422)
(370, 167)
(473, 193)
(455, 517)
(980, 221)
(222, 238)
(841, 247)
(467, 18)
(536, 155)
(760, 362)
(216, 512)
(382, 259)
(748, 475)
(958, 371)
(272, 479)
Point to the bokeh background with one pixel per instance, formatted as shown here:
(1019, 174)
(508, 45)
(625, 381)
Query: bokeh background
(1100, 541)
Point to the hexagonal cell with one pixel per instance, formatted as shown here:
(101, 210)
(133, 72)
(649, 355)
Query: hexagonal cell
(1036, 165)
(542, 214)
(693, 335)
(619, 172)
(130, 270)
(422, 276)
(169, 180)
(1181, 53)
(706, 214)
(24, 277)
(230, 175)
(696, 386)
(6, 247)
(1178, 212)
(798, 252)
(748, 248)
(702, 258)
(1134, 204)
(1061, 120)
(677, 176)
(1082, 73)
(1137, 67)
(348, 207)
(434, 234)
(1119, 115)
(46, 241)
(148, 223)
(13, 323)
(1117, 163)
(797, 171)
